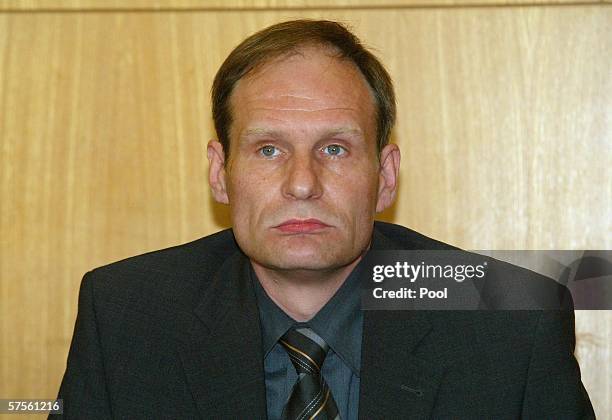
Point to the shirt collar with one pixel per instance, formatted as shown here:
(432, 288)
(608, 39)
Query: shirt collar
(274, 322)
(340, 321)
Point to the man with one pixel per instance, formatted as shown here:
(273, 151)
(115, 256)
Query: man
(264, 320)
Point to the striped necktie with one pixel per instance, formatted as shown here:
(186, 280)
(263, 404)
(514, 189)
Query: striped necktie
(311, 397)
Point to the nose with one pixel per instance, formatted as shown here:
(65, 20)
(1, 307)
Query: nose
(302, 179)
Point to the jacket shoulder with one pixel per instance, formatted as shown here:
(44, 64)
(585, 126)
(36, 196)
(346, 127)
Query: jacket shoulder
(217, 246)
(180, 271)
(400, 237)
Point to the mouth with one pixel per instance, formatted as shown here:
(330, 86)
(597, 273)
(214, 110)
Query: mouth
(301, 226)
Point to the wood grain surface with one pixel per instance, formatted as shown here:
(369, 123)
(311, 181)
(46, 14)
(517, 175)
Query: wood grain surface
(504, 126)
(251, 5)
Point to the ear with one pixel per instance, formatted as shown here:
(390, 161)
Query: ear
(216, 171)
(388, 176)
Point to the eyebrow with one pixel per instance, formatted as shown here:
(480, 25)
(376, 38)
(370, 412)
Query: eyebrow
(260, 131)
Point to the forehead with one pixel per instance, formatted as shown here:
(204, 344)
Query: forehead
(312, 84)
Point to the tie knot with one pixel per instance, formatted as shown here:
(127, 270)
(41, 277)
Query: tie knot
(305, 349)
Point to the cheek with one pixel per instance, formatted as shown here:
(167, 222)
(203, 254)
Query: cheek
(359, 186)
(355, 197)
(246, 198)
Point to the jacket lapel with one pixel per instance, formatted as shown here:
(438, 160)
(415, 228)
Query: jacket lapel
(222, 352)
(394, 381)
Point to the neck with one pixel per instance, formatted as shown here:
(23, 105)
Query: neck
(302, 293)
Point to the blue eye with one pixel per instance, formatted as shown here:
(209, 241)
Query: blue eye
(269, 151)
(334, 150)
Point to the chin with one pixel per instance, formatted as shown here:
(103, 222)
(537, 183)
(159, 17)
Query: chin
(301, 266)
(314, 260)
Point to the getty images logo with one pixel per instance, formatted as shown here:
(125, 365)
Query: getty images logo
(414, 272)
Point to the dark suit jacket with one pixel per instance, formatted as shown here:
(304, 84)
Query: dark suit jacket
(175, 334)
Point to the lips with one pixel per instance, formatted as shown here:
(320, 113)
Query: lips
(302, 226)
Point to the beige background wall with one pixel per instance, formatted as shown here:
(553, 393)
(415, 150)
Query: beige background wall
(504, 122)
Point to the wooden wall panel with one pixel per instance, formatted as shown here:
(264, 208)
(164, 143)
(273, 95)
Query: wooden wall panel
(504, 123)
(211, 5)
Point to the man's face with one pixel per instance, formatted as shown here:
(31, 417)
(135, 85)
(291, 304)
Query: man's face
(303, 181)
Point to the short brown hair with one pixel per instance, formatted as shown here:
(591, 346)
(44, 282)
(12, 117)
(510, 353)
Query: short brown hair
(286, 38)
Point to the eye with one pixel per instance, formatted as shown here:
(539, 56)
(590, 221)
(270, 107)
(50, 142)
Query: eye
(334, 150)
(269, 151)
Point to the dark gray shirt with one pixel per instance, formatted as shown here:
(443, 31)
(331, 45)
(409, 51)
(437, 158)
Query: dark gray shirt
(339, 323)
